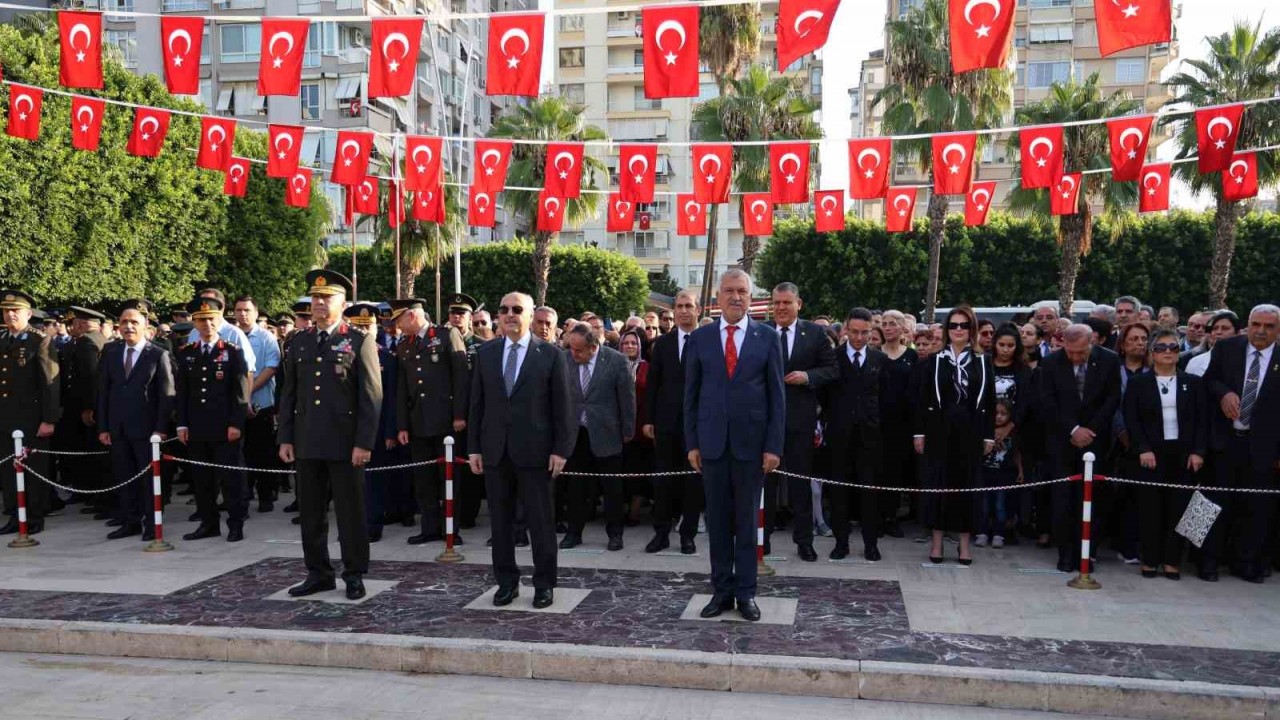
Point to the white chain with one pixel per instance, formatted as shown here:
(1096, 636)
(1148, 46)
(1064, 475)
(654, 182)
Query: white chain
(630, 475)
(38, 451)
(276, 471)
(878, 488)
(402, 466)
(1201, 488)
(40, 477)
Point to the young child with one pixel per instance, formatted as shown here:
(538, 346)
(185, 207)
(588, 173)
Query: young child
(1001, 467)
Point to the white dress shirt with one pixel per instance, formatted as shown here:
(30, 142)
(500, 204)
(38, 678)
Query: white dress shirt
(681, 338)
(1168, 388)
(234, 335)
(137, 353)
(738, 336)
(1200, 363)
(521, 354)
(862, 355)
(790, 337)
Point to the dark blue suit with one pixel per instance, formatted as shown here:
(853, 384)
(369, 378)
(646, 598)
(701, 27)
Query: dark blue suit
(732, 462)
(387, 491)
(132, 409)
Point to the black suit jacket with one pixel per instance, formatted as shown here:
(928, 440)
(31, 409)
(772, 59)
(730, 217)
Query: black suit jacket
(664, 388)
(138, 406)
(853, 400)
(1062, 409)
(1226, 374)
(212, 392)
(533, 424)
(1144, 417)
(810, 353)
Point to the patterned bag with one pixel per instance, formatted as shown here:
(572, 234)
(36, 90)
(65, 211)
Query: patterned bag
(1198, 519)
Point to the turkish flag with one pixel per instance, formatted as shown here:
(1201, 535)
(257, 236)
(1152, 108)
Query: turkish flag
(828, 210)
(364, 196)
(25, 103)
(621, 214)
(480, 211)
(182, 36)
(562, 176)
(1153, 188)
(1217, 129)
(899, 205)
(757, 214)
(670, 51)
(80, 61)
(284, 41)
(1240, 181)
(691, 218)
(1132, 23)
(712, 172)
(1041, 155)
(150, 125)
(1129, 136)
(297, 192)
(869, 162)
(803, 26)
(216, 138)
(789, 172)
(1064, 198)
(428, 205)
(490, 163)
(981, 33)
(978, 203)
(86, 121)
(550, 212)
(395, 203)
(953, 162)
(637, 167)
(285, 145)
(515, 54)
(393, 56)
(237, 177)
(422, 163)
(351, 160)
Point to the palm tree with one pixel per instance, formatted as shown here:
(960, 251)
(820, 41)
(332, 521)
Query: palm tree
(925, 96)
(1086, 148)
(757, 107)
(728, 40)
(548, 119)
(1243, 64)
(425, 245)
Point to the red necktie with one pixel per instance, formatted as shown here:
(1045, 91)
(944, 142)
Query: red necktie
(730, 351)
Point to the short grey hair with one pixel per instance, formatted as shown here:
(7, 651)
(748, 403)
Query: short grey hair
(1107, 312)
(1076, 332)
(1171, 309)
(787, 287)
(691, 295)
(548, 309)
(738, 274)
(1265, 308)
(1129, 300)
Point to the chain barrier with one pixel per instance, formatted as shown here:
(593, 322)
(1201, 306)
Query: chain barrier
(278, 471)
(877, 488)
(75, 453)
(79, 491)
(1201, 488)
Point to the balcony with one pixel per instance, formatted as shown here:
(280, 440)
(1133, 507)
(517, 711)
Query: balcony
(186, 6)
(650, 252)
(626, 69)
(627, 30)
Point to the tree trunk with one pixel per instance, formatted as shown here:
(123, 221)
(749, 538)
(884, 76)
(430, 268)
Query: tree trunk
(541, 266)
(937, 229)
(1224, 248)
(1074, 233)
(709, 267)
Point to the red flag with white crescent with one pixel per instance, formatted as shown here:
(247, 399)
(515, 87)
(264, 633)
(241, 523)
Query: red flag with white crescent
(150, 126)
(828, 210)
(550, 212)
(351, 158)
(562, 176)
(297, 191)
(393, 56)
(670, 40)
(1153, 188)
(1041, 155)
(86, 121)
(284, 146)
(236, 179)
(217, 135)
(691, 215)
(789, 172)
(1217, 129)
(480, 210)
(637, 170)
(977, 204)
(395, 203)
(1240, 179)
(803, 27)
(757, 214)
(899, 207)
(284, 41)
(1129, 137)
(621, 214)
(869, 163)
(181, 37)
(490, 165)
(953, 162)
(25, 106)
(515, 54)
(981, 33)
(428, 205)
(1064, 198)
(422, 163)
(712, 172)
(1124, 24)
(364, 196)
(80, 49)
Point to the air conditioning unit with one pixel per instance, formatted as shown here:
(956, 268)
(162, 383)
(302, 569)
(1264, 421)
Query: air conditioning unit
(622, 15)
(355, 36)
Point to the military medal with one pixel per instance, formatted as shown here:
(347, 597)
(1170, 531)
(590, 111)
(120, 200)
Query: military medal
(218, 375)
(435, 357)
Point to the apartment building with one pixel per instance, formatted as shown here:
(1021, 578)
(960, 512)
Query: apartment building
(1054, 41)
(599, 63)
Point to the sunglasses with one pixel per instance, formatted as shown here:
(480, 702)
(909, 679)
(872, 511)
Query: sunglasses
(512, 310)
(958, 325)
(480, 323)
(1165, 347)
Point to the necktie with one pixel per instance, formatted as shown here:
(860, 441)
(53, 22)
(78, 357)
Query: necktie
(730, 351)
(128, 361)
(680, 350)
(324, 336)
(857, 359)
(1080, 376)
(509, 372)
(586, 381)
(1250, 389)
(786, 349)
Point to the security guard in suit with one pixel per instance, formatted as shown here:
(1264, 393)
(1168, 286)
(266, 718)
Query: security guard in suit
(329, 410)
(212, 407)
(29, 401)
(77, 430)
(470, 486)
(431, 400)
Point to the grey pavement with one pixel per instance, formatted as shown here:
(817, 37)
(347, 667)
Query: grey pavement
(44, 687)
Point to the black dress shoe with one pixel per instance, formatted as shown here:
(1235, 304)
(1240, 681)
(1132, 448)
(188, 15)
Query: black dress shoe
(488, 543)
(422, 538)
(311, 586)
(202, 532)
(297, 520)
(457, 538)
(570, 540)
(291, 507)
(615, 543)
(1256, 578)
(148, 535)
(561, 528)
(194, 517)
(117, 522)
(871, 554)
(522, 539)
(658, 544)
(688, 546)
(806, 553)
(716, 607)
(506, 595)
(265, 506)
(124, 531)
(10, 527)
(840, 551)
(748, 609)
(35, 527)
(1148, 573)
(543, 598)
(355, 589)
(235, 533)
(375, 535)
(1064, 566)
(1210, 576)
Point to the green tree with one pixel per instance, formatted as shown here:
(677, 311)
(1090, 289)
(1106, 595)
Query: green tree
(1243, 64)
(375, 265)
(662, 283)
(1086, 148)
(924, 96)
(547, 119)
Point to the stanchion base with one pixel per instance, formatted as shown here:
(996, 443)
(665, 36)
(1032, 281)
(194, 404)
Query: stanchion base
(1084, 582)
(23, 541)
(450, 556)
(762, 568)
(158, 546)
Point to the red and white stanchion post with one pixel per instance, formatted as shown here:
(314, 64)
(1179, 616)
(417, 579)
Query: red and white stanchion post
(20, 481)
(449, 555)
(158, 544)
(762, 568)
(1084, 581)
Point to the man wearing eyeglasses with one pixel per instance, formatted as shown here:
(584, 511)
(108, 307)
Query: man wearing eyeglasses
(482, 325)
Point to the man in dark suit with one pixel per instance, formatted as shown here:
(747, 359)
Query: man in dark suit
(674, 496)
(329, 409)
(734, 428)
(77, 431)
(135, 398)
(1243, 382)
(808, 365)
(29, 401)
(1080, 391)
(521, 430)
(604, 406)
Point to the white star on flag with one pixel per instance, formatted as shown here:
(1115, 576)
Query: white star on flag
(983, 31)
(421, 169)
(791, 178)
(871, 173)
(1131, 11)
(393, 65)
(1040, 162)
(671, 58)
(639, 178)
(564, 175)
(177, 61)
(80, 56)
(277, 63)
(1132, 154)
(280, 155)
(711, 178)
(955, 169)
(513, 62)
(22, 116)
(488, 171)
(982, 207)
(1220, 144)
(84, 128)
(902, 213)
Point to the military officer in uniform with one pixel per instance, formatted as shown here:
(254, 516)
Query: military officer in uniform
(213, 405)
(329, 409)
(431, 397)
(470, 486)
(300, 312)
(29, 401)
(382, 489)
(77, 430)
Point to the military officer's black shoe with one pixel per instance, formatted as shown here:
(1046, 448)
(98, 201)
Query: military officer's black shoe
(355, 589)
(748, 609)
(422, 538)
(35, 526)
(202, 532)
(543, 598)
(688, 546)
(571, 540)
(10, 527)
(457, 538)
(311, 586)
(375, 535)
(615, 542)
(124, 531)
(806, 553)
(840, 551)
(265, 506)
(148, 535)
(871, 553)
(522, 539)
(235, 533)
(716, 607)
(291, 507)
(505, 595)
(659, 543)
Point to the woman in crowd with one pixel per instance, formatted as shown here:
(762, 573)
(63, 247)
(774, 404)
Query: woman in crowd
(877, 338)
(1167, 416)
(1031, 336)
(954, 423)
(1013, 384)
(1223, 324)
(895, 416)
(639, 452)
(1121, 523)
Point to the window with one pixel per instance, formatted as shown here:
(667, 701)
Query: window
(574, 237)
(1020, 77)
(645, 239)
(815, 81)
(697, 242)
(1050, 3)
(707, 91)
(574, 93)
(1051, 33)
(695, 276)
(571, 57)
(224, 99)
(310, 95)
(1131, 71)
(906, 6)
(121, 5)
(240, 43)
(315, 39)
(206, 42)
(348, 88)
(1044, 74)
(657, 209)
(186, 5)
(571, 23)
(644, 103)
(126, 41)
